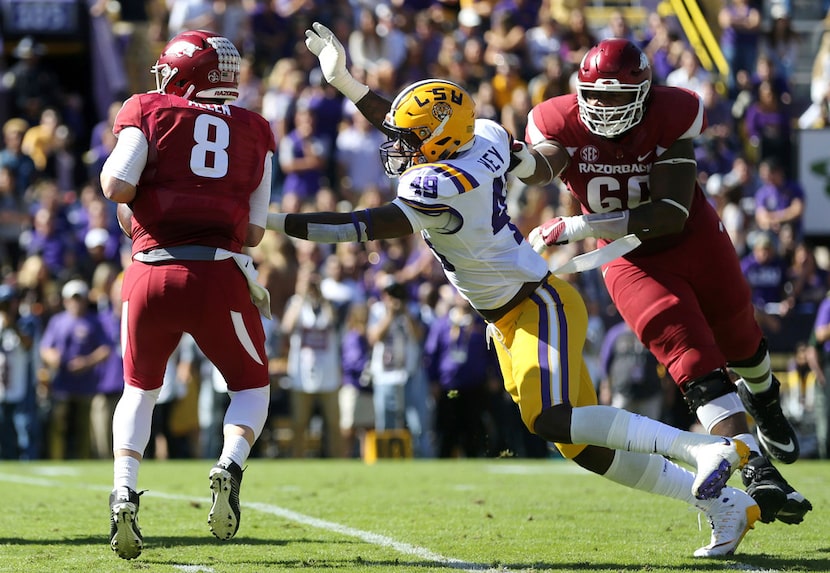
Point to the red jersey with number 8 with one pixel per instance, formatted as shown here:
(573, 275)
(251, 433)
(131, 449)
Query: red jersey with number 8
(203, 164)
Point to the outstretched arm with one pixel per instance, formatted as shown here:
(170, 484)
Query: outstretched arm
(384, 222)
(332, 55)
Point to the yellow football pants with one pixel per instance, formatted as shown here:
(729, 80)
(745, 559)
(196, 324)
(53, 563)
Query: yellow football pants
(540, 353)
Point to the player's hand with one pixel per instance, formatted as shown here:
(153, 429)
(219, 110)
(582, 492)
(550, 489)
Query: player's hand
(332, 55)
(522, 162)
(549, 233)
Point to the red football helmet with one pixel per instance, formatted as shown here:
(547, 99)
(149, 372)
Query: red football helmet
(614, 66)
(199, 65)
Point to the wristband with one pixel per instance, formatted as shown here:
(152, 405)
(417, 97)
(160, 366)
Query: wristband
(607, 225)
(350, 87)
(276, 222)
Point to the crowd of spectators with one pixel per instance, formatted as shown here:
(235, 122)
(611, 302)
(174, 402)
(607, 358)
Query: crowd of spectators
(367, 337)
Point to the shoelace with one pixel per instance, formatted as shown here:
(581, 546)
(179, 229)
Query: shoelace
(493, 333)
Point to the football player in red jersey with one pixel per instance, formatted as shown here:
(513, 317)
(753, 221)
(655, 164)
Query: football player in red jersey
(196, 173)
(624, 149)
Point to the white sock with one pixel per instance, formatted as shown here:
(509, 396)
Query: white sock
(651, 473)
(716, 411)
(749, 440)
(235, 449)
(125, 472)
(621, 430)
(721, 408)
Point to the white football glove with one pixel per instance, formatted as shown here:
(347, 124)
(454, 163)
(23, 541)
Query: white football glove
(332, 55)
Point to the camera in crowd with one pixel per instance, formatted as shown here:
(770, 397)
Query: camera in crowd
(395, 289)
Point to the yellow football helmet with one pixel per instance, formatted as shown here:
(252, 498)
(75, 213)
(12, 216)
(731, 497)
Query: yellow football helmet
(429, 121)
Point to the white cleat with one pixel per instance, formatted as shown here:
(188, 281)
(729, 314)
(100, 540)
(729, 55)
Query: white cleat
(715, 464)
(730, 516)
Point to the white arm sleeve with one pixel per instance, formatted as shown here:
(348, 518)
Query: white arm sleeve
(261, 197)
(127, 160)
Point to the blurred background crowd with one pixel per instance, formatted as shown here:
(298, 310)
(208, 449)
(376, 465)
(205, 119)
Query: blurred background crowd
(368, 337)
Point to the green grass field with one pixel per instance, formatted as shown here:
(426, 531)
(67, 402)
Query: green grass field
(504, 515)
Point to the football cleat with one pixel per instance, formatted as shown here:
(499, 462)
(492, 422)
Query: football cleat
(715, 464)
(775, 434)
(125, 535)
(776, 498)
(731, 516)
(223, 518)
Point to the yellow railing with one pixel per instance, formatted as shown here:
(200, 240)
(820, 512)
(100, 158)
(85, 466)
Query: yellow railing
(699, 33)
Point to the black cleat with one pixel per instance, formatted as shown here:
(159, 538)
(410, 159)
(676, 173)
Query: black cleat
(223, 518)
(125, 535)
(775, 434)
(776, 498)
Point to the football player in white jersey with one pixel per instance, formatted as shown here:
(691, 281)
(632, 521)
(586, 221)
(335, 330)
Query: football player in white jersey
(452, 171)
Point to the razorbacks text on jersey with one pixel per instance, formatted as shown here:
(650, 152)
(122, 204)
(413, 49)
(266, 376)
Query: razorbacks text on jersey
(607, 175)
(204, 162)
(459, 206)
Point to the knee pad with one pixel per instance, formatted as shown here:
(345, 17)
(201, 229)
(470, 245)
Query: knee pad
(249, 408)
(132, 419)
(702, 390)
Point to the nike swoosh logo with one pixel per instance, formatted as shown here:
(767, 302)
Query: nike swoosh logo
(640, 158)
(788, 447)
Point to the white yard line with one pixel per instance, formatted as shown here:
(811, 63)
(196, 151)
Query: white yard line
(373, 538)
(365, 536)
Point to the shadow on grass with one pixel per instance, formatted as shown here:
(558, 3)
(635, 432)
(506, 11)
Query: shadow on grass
(755, 562)
(761, 562)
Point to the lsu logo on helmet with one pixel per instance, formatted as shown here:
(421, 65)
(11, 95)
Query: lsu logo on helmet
(441, 111)
(431, 120)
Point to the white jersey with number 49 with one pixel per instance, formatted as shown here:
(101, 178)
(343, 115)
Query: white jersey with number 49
(459, 205)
